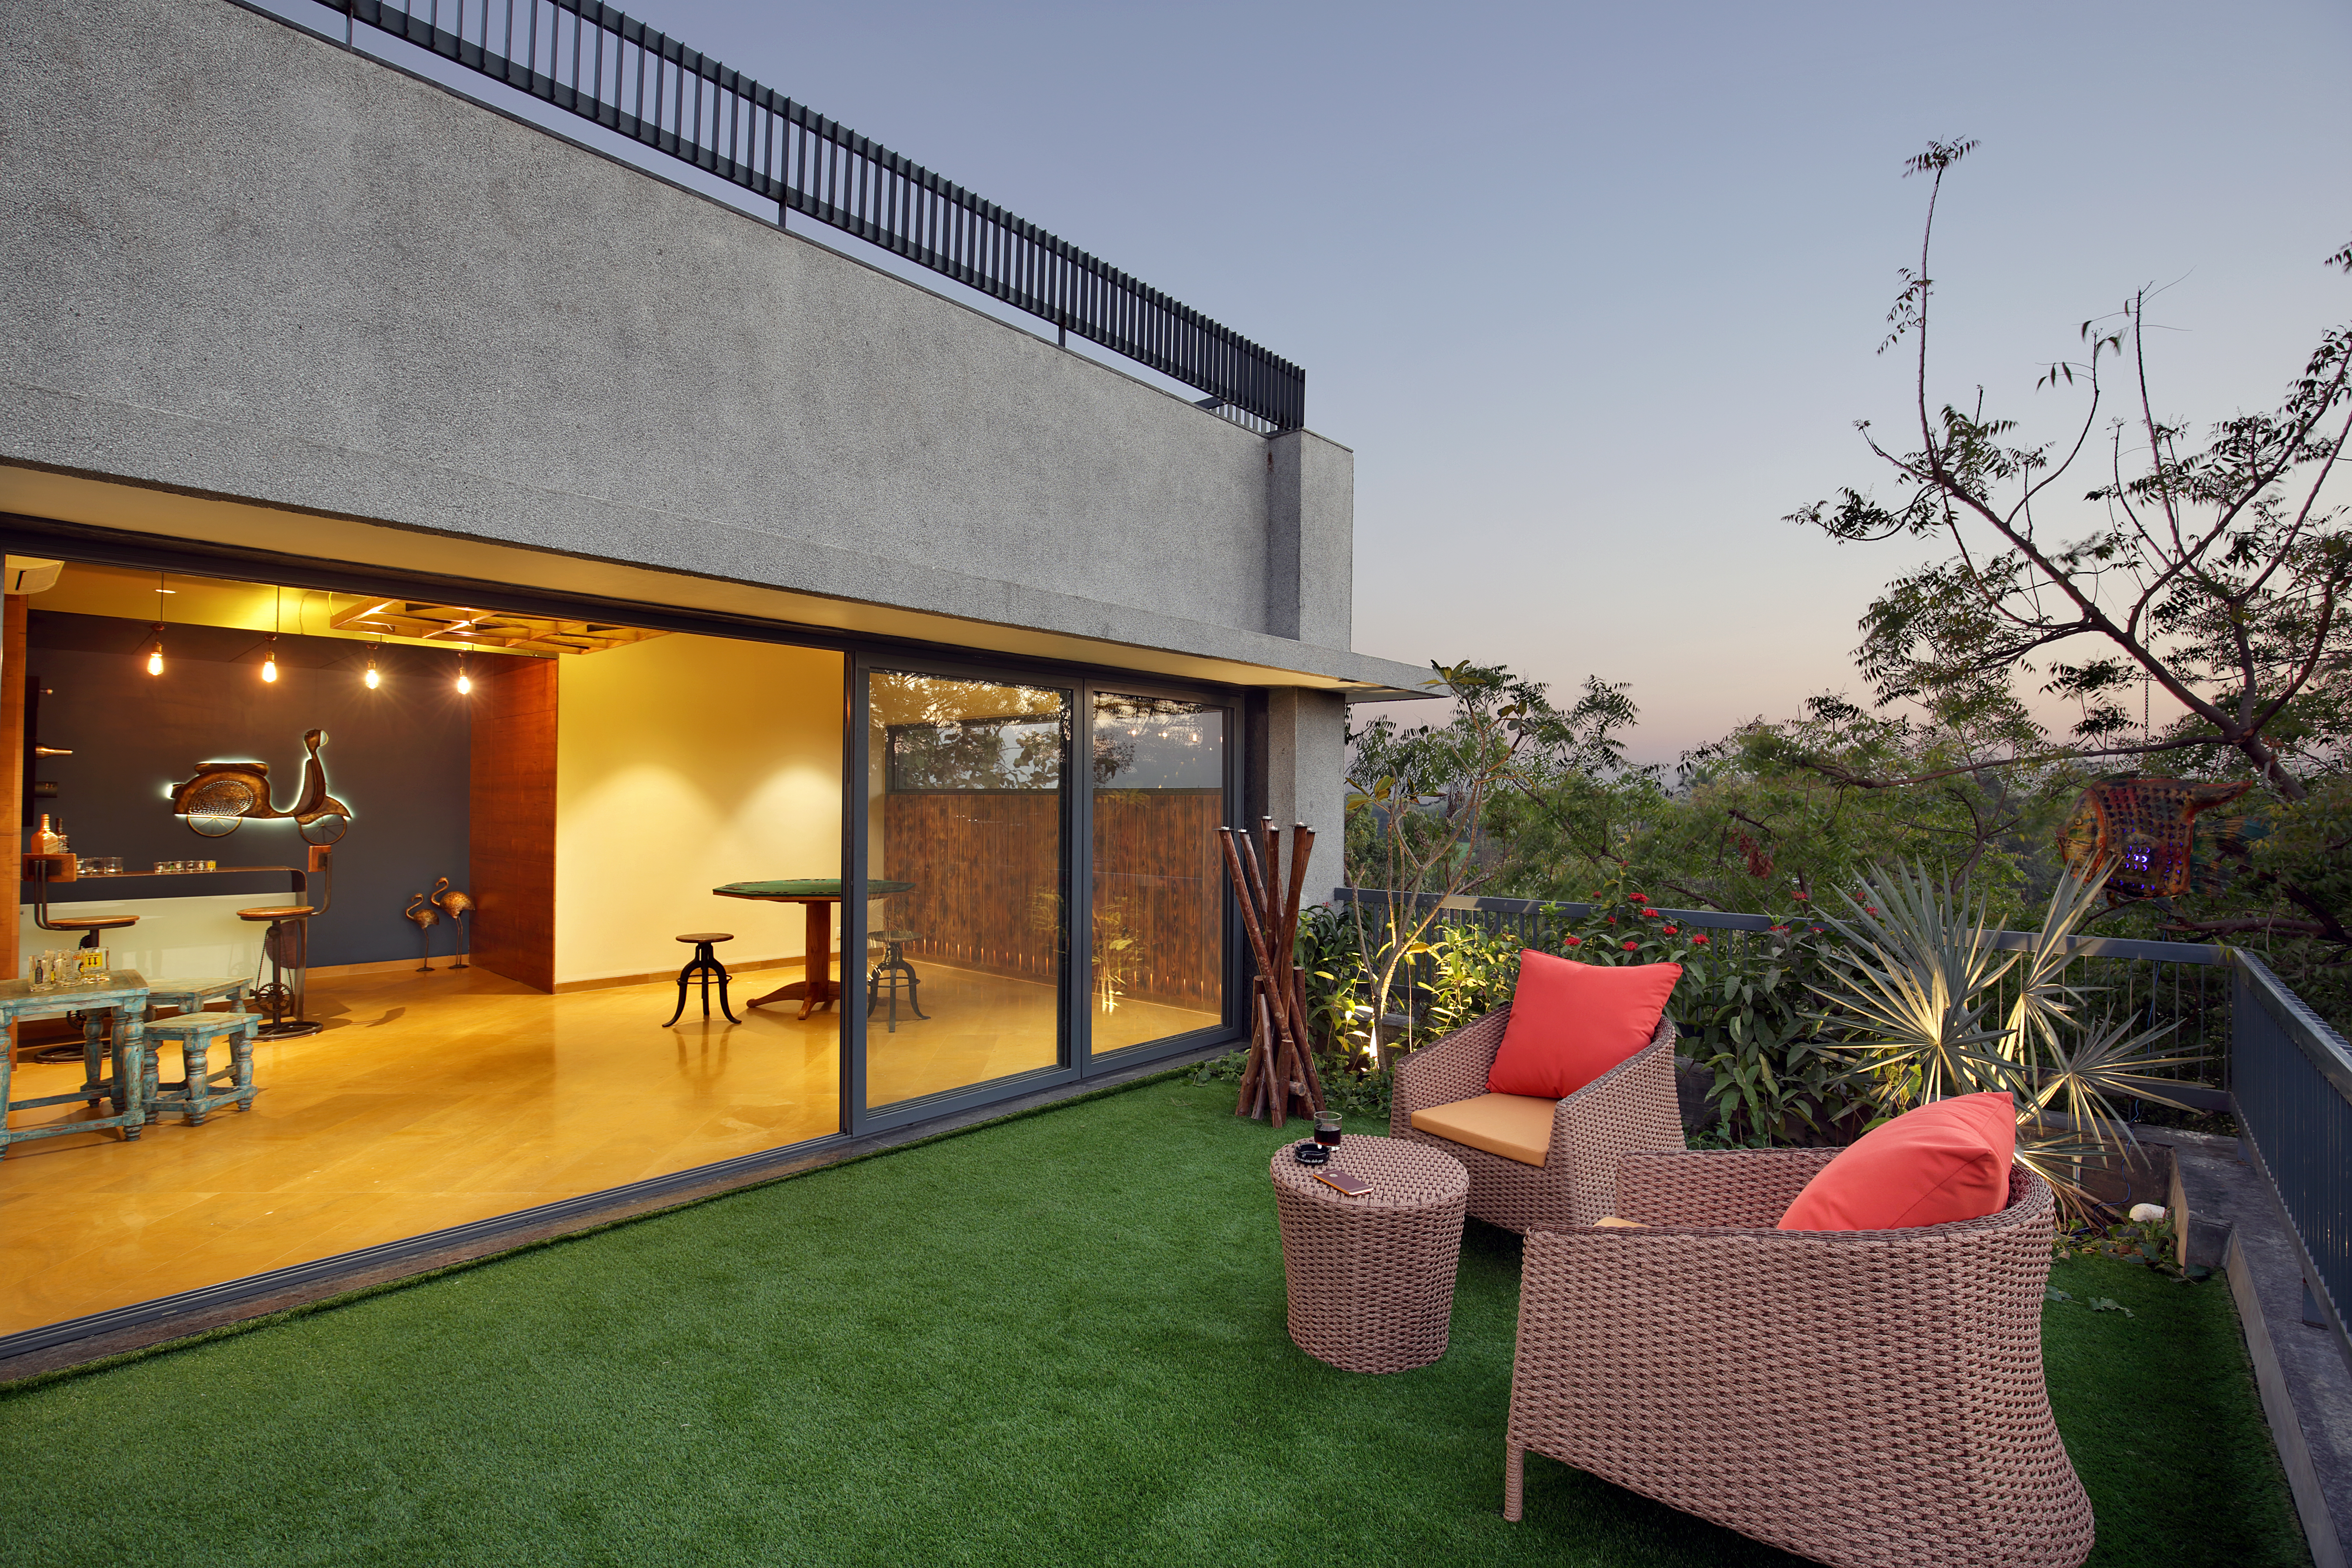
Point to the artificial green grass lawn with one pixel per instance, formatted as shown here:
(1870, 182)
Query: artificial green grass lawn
(1056, 1340)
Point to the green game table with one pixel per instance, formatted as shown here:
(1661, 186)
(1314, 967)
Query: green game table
(819, 895)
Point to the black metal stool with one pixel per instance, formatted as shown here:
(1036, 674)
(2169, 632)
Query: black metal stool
(892, 976)
(704, 965)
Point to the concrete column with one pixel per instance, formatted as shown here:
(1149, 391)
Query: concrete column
(1310, 540)
(1305, 756)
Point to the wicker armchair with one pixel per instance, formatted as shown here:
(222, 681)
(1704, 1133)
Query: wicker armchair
(1862, 1397)
(1631, 1106)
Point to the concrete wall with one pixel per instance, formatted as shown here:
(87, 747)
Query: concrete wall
(684, 762)
(237, 259)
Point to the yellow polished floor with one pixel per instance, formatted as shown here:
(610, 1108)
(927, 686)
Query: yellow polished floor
(433, 1100)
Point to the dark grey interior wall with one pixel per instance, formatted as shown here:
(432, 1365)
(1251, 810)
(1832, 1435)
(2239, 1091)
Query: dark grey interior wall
(399, 756)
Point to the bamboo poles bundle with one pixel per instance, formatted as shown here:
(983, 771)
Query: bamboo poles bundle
(1279, 1079)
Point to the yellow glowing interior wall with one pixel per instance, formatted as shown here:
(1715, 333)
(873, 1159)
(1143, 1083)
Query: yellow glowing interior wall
(681, 763)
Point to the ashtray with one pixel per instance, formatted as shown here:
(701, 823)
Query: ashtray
(1311, 1153)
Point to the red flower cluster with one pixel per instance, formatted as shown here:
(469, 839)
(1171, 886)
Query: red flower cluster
(1869, 908)
(1636, 899)
(1801, 895)
(1699, 942)
(1780, 931)
(1671, 929)
(1610, 918)
(1631, 946)
(1576, 942)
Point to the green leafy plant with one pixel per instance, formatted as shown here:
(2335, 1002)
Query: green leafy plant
(1917, 987)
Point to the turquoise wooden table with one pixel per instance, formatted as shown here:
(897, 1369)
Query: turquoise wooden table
(122, 991)
(820, 894)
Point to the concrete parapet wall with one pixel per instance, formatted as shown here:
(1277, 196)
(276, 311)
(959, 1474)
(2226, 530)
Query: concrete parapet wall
(244, 261)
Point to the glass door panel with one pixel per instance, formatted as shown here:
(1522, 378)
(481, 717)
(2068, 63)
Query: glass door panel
(964, 855)
(1158, 952)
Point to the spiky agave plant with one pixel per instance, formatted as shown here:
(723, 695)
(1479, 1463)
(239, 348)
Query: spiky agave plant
(1917, 981)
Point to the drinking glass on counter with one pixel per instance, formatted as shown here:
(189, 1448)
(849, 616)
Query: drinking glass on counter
(101, 865)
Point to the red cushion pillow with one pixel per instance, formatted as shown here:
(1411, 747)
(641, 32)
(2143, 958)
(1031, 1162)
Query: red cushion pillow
(1943, 1162)
(1573, 1022)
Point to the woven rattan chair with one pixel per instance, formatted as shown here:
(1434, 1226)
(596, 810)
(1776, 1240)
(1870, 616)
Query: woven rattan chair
(1868, 1398)
(1631, 1106)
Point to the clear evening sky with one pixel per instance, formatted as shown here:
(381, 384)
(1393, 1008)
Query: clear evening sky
(1593, 290)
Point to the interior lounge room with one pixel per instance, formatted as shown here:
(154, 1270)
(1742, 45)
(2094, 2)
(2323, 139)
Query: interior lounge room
(523, 905)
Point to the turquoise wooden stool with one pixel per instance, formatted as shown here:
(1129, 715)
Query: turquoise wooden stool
(196, 1094)
(190, 995)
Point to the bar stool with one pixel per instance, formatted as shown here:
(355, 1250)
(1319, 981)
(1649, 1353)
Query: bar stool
(706, 965)
(89, 925)
(289, 926)
(895, 975)
(195, 1093)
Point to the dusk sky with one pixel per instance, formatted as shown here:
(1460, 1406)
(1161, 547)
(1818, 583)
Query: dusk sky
(1593, 291)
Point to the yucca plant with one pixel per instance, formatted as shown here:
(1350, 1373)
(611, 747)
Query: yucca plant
(1917, 990)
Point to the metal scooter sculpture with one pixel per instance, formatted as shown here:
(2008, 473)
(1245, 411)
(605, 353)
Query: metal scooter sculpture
(219, 796)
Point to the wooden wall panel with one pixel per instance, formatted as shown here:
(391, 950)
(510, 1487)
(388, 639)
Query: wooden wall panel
(985, 870)
(12, 765)
(512, 808)
(1160, 879)
(985, 873)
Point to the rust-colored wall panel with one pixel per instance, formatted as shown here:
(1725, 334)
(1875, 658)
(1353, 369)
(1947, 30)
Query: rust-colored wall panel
(1160, 881)
(984, 869)
(512, 808)
(12, 764)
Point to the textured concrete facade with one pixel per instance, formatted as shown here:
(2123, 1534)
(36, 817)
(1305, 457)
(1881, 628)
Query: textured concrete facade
(245, 262)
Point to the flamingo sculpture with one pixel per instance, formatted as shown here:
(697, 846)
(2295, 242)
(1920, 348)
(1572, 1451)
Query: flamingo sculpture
(457, 903)
(420, 909)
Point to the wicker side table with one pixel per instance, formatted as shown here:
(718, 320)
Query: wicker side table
(1371, 1277)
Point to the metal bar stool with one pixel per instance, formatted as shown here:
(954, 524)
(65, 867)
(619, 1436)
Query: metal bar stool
(289, 930)
(195, 1093)
(89, 925)
(705, 964)
(895, 975)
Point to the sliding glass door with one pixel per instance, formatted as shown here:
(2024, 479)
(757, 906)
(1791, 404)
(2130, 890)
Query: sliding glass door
(965, 834)
(1158, 948)
(1004, 817)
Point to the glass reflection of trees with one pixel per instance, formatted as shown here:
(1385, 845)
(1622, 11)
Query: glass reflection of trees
(935, 741)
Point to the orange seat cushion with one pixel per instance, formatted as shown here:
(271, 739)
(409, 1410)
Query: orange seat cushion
(1943, 1162)
(1573, 1022)
(1515, 1126)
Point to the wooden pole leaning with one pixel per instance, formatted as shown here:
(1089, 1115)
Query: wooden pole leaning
(1279, 1079)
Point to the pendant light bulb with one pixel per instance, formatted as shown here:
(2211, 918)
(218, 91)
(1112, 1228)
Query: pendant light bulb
(464, 681)
(374, 680)
(155, 654)
(270, 664)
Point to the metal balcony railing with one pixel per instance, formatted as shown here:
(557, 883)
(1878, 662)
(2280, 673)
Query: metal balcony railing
(605, 66)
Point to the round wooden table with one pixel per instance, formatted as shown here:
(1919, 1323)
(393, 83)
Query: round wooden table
(817, 989)
(1371, 1277)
